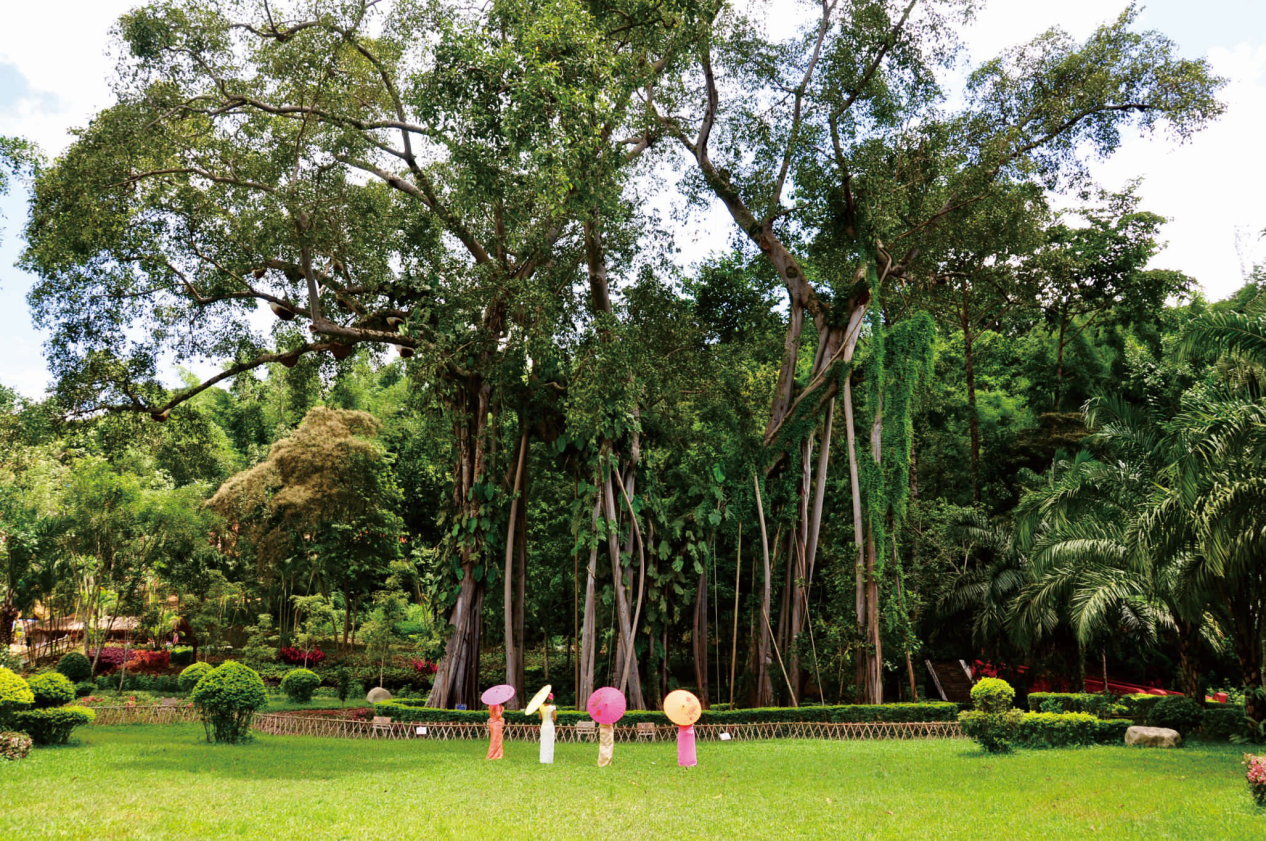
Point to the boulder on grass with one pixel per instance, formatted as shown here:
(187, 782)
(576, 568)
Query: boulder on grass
(377, 695)
(1153, 737)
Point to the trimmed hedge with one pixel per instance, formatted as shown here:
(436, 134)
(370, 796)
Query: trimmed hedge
(1176, 713)
(994, 732)
(299, 684)
(14, 746)
(992, 695)
(1138, 706)
(1096, 704)
(182, 655)
(191, 675)
(227, 698)
(14, 694)
(52, 725)
(75, 666)
(997, 732)
(1223, 721)
(51, 689)
(415, 712)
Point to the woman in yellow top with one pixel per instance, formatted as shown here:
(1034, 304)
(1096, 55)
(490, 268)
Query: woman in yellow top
(549, 714)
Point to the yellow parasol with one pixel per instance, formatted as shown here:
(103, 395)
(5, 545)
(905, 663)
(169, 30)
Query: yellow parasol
(538, 699)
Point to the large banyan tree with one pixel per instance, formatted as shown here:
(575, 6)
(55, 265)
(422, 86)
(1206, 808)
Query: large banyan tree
(840, 158)
(279, 181)
(416, 174)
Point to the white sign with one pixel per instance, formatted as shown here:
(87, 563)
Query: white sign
(725, 737)
(421, 731)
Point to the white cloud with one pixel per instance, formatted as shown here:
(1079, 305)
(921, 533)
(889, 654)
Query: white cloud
(60, 49)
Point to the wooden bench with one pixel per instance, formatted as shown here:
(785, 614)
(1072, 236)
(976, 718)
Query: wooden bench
(381, 725)
(645, 731)
(586, 730)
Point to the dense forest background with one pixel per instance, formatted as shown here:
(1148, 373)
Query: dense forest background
(931, 401)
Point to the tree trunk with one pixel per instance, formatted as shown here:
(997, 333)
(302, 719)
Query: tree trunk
(763, 695)
(699, 638)
(457, 677)
(520, 599)
(973, 417)
(1059, 358)
(627, 681)
(1187, 661)
(589, 632)
(738, 580)
(512, 530)
(859, 566)
(874, 644)
(8, 615)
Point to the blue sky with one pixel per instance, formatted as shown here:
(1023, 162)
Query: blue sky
(54, 73)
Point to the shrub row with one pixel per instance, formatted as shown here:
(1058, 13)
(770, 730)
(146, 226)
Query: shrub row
(1103, 706)
(999, 732)
(51, 725)
(1224, 721)
(415, 712)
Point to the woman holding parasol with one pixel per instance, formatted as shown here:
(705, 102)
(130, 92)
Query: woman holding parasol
(543, 704)
(606, 706)
(495, 698)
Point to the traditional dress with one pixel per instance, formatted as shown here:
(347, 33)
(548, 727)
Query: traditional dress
(547, 733)
(686, 746)
(496, 727)
(606, 744)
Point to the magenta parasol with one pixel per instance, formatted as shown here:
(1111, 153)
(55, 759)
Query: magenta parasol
(606, 705)
(498, 694)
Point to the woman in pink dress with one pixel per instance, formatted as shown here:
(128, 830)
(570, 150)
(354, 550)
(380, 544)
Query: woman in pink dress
(686, 746)
(496, 727)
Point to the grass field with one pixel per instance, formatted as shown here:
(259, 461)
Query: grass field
(164, 782)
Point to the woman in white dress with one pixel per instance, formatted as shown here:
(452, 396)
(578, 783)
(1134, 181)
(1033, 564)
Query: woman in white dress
(549, 714)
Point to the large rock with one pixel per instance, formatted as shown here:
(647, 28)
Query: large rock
(377, 695)
(1153, 737)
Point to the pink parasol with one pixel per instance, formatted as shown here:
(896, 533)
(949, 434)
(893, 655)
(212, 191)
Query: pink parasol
(498, 694)
(606, 705)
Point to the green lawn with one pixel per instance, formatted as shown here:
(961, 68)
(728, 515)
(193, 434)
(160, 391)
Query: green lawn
(163, 782)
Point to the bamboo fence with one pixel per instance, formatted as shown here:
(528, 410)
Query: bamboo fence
(291, 725)
(286, 724)
(146, 714)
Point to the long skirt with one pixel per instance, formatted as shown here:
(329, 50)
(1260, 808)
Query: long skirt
(686, 747)
(606, 744)
(547, 741)
(495, 750)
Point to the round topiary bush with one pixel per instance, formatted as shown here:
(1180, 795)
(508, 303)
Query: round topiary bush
(75, 666)
(992, 695)
(14, 695)
(14, 746)
(52, 725)
(51, 689)
(191, 675)
(226, 698)
(299, 684)
(1176, 713)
